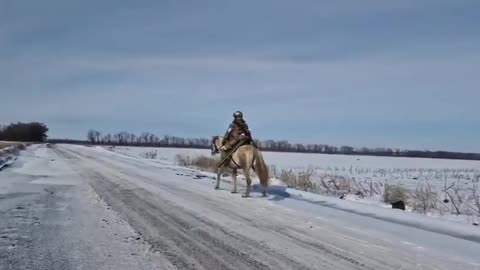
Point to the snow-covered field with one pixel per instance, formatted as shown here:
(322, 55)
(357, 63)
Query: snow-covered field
(436, 187)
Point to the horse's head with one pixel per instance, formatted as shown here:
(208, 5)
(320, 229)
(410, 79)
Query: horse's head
(216, 144)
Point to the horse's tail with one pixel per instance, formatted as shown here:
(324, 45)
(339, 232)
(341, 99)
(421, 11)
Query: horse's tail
(261, 169)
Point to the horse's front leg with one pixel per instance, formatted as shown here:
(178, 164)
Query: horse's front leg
(219, 174)
(234, 178)
(249, 183)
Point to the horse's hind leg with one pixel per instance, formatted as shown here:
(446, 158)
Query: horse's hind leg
(249, 183)
(219, 173)
(234, 177)
(264, 192)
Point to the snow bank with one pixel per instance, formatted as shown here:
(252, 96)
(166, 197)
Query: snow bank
(8, 155)
(462, 231)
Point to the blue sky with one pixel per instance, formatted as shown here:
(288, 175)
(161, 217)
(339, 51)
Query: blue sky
(363, 73)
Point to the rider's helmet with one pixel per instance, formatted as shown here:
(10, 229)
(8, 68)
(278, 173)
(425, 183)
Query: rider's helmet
(238, 114)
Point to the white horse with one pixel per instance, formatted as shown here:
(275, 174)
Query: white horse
(246, 157)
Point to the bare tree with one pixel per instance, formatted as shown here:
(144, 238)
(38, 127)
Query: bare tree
(132, 138)
(107, 138)
(117, 138)
(152, 139)
(144, 137)
(97, 136)
(91, 136)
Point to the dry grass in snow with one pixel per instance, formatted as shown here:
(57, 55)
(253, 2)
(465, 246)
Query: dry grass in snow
(200, 162)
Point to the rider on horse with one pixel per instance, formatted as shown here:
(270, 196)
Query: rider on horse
(239, 152)
(237, 134)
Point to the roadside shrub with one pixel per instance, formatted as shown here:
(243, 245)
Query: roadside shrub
(200, 162)
(151, 154)
(183, 160)
(273, 171)
(205, 163)
(394, 193)
(301, 180)
(288, 177)
(12, 149)
(475, 197)
(424, 199)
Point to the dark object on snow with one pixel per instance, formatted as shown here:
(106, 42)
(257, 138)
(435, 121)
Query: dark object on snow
(475, 224)
(446, 201)
(398, 205)
(360, 194)
(342, 197)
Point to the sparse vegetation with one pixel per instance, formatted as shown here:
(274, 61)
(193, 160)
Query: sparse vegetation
(200, 162)
(475, 197)
(9, 149)
(423, 197)
(395, 193)
(151, 154)
(183, 160)
(301, 180)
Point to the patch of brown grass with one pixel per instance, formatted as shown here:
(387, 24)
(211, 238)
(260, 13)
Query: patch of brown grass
(200, 162)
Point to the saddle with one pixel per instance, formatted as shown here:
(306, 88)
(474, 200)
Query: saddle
(227, 157)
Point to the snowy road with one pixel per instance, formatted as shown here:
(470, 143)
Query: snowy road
(74, 207)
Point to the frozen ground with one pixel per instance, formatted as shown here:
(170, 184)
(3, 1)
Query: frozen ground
(76, 207)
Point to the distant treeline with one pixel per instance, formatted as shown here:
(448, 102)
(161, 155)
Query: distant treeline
(24, 132)
(149, 139)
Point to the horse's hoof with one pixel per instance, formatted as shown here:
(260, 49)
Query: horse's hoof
(264, 195)
(234, 192)
(245, 196)
(217, 188)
